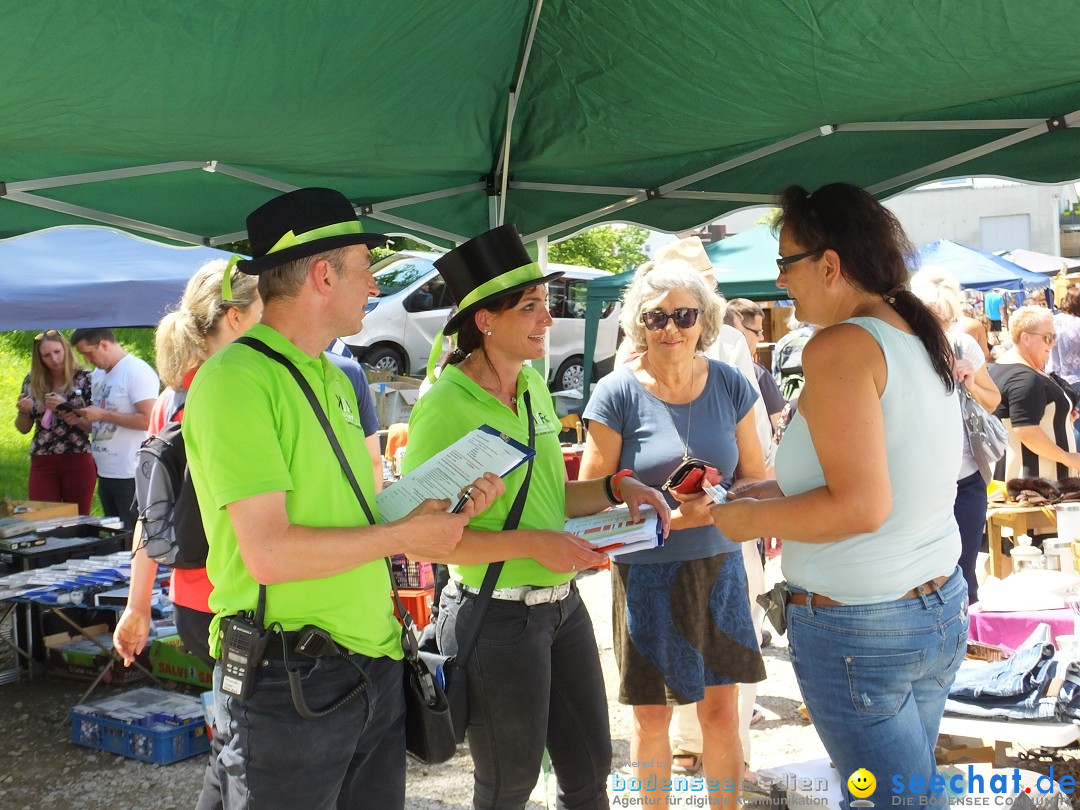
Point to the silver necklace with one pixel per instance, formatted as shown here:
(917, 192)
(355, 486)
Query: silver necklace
(689, 410)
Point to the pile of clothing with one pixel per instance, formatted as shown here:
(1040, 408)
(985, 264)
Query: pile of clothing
(1036, 683)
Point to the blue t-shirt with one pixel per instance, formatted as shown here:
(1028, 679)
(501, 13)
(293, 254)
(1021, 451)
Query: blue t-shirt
(992, 304)
(654, 434)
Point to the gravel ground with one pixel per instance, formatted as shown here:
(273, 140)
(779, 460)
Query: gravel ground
(40, 768)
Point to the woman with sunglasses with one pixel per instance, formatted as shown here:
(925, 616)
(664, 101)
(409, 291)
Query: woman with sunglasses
(534, 676)
(682, 624)
(61, 465)
(1036, 411)
(865, 483)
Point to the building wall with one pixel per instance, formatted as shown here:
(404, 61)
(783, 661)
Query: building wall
(963, 213)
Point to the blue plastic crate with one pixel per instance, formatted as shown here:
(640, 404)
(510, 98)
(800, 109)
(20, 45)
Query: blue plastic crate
(156, 737)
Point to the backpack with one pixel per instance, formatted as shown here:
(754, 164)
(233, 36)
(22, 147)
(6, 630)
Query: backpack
(172, 529)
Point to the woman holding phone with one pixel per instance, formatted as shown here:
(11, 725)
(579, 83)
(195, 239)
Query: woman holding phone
(61, 466)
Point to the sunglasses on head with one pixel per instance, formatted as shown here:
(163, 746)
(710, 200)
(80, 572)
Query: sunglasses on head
(48, 333)
(656, 319)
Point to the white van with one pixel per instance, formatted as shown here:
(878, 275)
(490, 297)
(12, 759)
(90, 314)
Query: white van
(414, 303)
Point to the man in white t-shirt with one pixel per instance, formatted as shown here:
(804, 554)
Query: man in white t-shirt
(123, 389)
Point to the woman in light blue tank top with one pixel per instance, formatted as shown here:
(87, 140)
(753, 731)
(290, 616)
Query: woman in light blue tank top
(863, 497)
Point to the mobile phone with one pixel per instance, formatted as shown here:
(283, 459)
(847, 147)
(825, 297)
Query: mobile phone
(65, 406)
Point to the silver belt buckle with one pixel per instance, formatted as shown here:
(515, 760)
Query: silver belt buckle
(545, 596)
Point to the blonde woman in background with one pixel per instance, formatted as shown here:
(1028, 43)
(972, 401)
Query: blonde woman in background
(205, 321)
(61, 466)
(1036, 411)
(940, 291)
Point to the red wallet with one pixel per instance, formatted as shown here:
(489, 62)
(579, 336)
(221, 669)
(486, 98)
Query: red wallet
(690, 475)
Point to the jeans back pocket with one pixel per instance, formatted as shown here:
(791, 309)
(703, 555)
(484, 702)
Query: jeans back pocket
(879, 683)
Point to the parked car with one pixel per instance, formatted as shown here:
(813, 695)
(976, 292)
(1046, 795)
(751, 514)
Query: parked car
(414, 303)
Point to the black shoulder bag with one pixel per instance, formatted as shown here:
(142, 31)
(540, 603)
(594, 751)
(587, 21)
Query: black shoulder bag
(430, 728)
(454, 666)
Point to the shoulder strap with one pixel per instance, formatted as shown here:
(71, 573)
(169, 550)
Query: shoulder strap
(320, 414)
(178, 405)
(483, 599)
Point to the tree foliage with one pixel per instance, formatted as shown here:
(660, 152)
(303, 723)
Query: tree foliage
(607, 247)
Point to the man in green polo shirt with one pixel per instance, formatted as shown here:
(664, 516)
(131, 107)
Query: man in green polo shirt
(324, 723)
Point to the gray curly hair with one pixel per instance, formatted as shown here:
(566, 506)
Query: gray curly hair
(654, 279)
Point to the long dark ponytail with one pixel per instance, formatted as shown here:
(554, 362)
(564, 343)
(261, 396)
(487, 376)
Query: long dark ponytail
(872, 247)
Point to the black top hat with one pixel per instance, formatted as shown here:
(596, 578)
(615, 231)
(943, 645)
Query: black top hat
(488, 267)
(302, 223)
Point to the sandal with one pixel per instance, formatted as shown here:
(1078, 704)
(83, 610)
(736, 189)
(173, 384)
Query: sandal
(685, 762)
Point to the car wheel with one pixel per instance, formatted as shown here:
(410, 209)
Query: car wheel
(571, 374)
(386, 358)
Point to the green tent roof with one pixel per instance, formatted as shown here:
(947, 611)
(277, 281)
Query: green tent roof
(442, 119)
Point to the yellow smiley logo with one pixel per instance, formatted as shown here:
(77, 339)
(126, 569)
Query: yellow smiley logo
(861, 783)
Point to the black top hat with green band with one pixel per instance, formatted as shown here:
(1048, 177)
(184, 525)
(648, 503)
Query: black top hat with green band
(490, 266)
(302, 223)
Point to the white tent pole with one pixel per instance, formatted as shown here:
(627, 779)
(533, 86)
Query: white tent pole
(592, 216)
(101, 216)
(413, 199)
(103, 176)
(242, 174)
(449, 236)
(502, 168)
(1042, 128)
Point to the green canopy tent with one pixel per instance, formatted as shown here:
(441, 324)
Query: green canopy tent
(441, 120)
(745, 268)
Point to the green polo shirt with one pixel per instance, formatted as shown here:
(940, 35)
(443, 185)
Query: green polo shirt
(249, 430)
(456, 405)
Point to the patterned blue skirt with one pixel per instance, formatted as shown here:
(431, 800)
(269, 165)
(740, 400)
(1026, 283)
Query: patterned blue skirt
(681, 626)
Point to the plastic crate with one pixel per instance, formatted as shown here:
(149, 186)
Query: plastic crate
(418, 602)
(176, 732)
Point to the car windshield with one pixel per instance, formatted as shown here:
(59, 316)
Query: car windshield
(399, 275)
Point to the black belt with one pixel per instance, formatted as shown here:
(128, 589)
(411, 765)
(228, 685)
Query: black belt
(284, 643)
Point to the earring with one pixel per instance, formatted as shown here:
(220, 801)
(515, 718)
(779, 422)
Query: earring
(487, 332)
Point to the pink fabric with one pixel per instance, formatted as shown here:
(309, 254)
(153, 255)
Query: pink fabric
(1009, 630)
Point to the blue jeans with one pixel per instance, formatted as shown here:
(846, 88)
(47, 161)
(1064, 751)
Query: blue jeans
(1016, 688)
(969, 509)
(271, 757)
(875, 678)
(117, 496)
(534, 680)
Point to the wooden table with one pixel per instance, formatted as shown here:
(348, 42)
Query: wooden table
(1022, 520)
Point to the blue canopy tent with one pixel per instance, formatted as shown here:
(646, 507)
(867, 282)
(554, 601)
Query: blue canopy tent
(745, 268)
(977, 269)
(75, 276)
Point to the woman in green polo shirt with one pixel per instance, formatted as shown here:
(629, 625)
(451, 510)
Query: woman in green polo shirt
(534, 678)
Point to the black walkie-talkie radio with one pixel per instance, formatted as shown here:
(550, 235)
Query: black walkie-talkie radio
(242, 646)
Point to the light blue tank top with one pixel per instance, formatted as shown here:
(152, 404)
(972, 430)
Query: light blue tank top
(924, 442)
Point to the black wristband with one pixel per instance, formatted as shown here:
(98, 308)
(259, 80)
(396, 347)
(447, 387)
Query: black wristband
(609, 492)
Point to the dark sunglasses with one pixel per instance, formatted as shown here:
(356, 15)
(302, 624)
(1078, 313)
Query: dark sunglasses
(683, 317)
(52, 334)
(783, 262)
